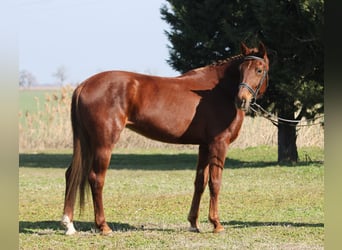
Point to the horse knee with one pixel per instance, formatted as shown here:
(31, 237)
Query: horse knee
(216, 161)
(214, 184)
(96, 180)
(92, 178)
(215, 181)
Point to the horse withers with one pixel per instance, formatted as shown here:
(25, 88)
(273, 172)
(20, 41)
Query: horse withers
(205, 106)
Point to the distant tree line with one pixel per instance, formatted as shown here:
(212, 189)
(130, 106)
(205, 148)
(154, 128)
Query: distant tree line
(27, 79)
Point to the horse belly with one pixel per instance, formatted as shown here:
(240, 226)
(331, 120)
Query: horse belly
(164, 119)
(168, 128)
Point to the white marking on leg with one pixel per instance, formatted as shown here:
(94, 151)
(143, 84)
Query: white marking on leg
(68, 225)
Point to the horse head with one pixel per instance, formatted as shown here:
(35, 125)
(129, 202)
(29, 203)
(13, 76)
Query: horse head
(253, 75)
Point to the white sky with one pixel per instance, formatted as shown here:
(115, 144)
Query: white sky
(89, 36)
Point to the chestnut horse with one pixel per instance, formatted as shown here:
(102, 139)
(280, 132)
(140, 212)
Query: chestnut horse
(205, 106)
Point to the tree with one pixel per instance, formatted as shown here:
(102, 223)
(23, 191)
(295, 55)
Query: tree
(209, 30)
(298, 66)
(201, 32)
(26, 79)
(61, 75)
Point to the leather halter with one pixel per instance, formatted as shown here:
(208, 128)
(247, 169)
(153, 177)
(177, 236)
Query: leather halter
(246, 85)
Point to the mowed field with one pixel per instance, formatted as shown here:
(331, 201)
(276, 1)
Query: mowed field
(148, 192)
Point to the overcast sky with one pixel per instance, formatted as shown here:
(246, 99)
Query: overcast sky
(89, 36)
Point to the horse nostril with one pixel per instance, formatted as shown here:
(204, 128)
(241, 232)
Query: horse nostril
(243, 103)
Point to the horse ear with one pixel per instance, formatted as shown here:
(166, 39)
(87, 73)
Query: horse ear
(262, 49)
(244, 49)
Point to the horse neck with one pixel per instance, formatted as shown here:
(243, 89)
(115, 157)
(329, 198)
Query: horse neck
(228, 67)
(228, 73)
(225, 74)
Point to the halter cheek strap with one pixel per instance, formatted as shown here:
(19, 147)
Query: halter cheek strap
(246, 85)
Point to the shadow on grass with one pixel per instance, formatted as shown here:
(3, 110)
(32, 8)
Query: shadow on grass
(51, 227)
(141, 161)
(43, 227)
(243, 224)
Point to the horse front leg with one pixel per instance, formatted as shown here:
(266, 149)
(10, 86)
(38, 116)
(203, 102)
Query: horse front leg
(201, 181)
(96, 180)
(216, 164)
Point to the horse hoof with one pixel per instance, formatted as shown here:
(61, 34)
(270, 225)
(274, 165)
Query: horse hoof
(106, 233)
(194, 230)
(106, 230)
(68, 225)
(219, 229)
(70, 231)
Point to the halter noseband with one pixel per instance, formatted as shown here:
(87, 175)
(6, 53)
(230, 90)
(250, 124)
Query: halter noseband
(249, 88)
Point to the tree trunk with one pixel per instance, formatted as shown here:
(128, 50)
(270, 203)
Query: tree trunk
(287, 147)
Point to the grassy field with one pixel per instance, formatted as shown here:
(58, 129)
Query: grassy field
(148, 193)
(29, 99)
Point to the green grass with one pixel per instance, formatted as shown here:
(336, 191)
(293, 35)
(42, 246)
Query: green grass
(147, 197)
(35, 101)
(28, 99)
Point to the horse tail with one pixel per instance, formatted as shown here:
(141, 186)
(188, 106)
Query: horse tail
(82, 159)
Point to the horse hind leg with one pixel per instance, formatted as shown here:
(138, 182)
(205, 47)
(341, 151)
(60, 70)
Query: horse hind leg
(69, 204)
(104, 132)
(96, 180)
(72, 181)
(102, 152)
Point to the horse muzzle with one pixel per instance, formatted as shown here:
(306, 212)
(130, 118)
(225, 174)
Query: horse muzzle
(245, 96)
(242, 103)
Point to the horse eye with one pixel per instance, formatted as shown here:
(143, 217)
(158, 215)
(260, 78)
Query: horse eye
(259, 71)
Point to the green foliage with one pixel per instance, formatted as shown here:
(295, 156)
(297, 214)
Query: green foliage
(294, 36)
(209, 30)
(201, 32)
(292, 30)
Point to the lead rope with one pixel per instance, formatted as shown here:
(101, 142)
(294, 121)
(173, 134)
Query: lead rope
(278, 120)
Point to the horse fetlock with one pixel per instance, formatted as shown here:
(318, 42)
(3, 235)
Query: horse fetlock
(193, 224)
(193, 221)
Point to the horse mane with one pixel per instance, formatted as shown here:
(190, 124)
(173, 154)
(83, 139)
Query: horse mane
(213, 64)
(227, 60)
